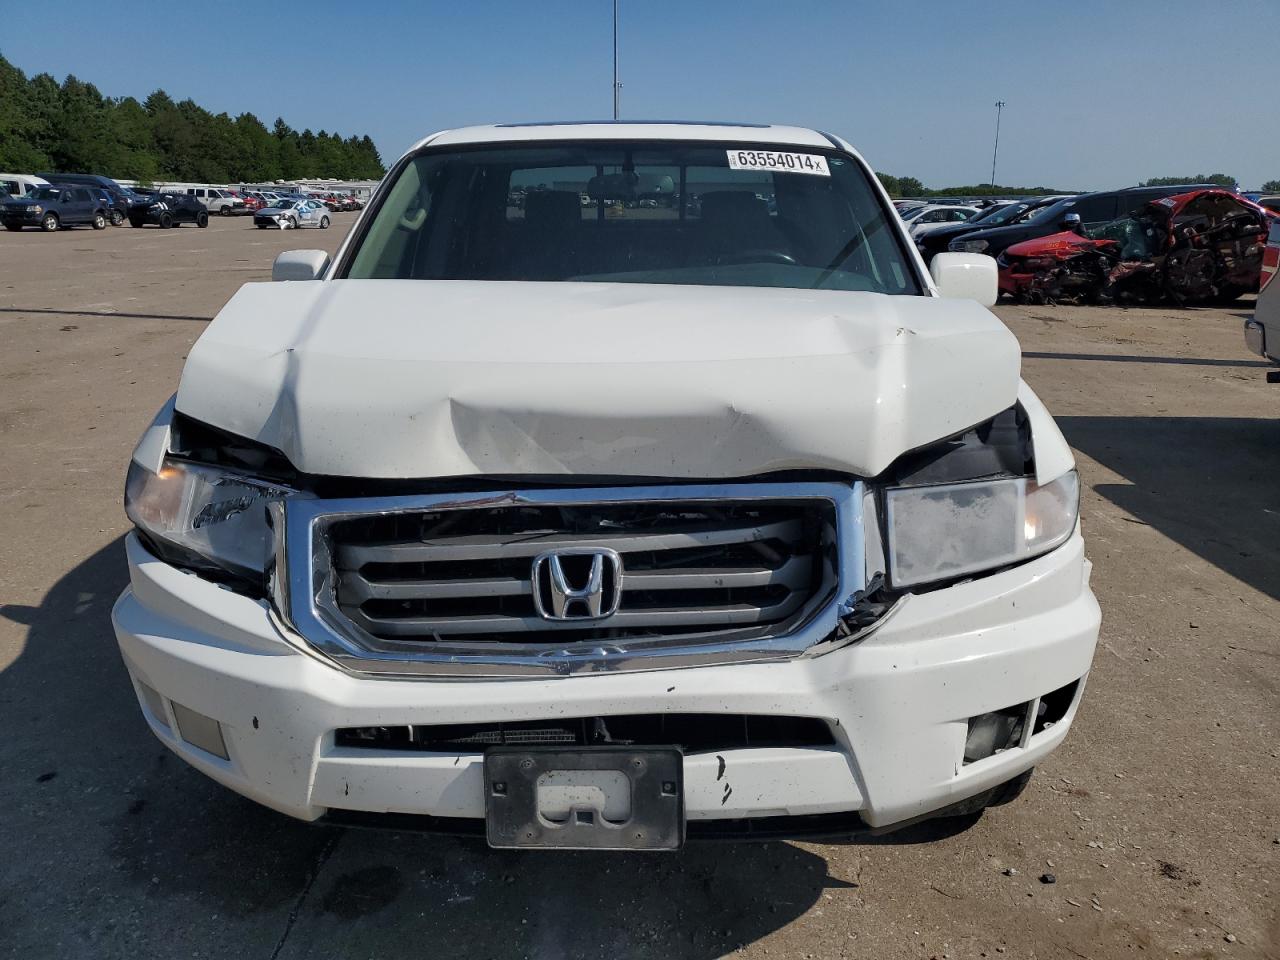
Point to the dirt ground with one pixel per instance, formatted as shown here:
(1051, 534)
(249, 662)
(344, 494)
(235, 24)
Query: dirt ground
(1160, 818)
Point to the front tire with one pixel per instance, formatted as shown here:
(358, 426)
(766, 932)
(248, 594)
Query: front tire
(99, 221)
(224, 211)
(324, 223)
(166, 221)
(14, 227)
(117, 218)
(202, 220)
(50, 223)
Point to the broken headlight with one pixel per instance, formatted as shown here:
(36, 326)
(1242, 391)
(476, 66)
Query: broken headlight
(199, 497)
(953, 530)
(968, 246)
(202, 517)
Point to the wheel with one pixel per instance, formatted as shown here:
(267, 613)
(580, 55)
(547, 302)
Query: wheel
(117, 218)
(134, 223)
(324, 223)
(202, 220)
(166, 221)
(99, 221)
(293, 222)
(224, 210)
(261, 226)
(16, 228)
(50, 223)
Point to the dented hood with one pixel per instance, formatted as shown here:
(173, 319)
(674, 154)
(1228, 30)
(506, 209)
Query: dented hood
(411, 378)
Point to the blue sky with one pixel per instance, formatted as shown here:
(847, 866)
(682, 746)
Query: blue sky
(1100, 93)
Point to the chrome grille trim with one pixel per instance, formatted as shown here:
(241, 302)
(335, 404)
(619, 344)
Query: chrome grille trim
(306, 594)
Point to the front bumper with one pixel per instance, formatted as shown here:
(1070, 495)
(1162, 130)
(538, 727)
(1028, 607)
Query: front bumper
(898, 702)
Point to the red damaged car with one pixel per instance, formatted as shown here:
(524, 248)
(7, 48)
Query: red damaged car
(1204, 246)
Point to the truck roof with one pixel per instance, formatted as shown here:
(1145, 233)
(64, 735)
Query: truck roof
(631, 130)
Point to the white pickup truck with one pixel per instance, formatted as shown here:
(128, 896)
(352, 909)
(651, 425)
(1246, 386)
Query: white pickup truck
(614, 483)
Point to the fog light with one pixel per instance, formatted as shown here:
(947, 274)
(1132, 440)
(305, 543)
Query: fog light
(989, 733)
(155, 704)
(199, 730)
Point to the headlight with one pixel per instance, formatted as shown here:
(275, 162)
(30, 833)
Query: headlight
(37, 210)
(204, 517)
(952, 530)
(967, 246)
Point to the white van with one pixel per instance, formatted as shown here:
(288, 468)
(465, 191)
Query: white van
(20, 184)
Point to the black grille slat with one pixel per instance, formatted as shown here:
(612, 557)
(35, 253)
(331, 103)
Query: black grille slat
(497, 547)
(464, 574)
(694, 732)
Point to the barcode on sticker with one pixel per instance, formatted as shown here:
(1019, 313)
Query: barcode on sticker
(814, 163)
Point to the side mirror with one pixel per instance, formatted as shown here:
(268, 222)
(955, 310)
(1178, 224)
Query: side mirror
(966, 276)
(300, 265)
(1071, 221)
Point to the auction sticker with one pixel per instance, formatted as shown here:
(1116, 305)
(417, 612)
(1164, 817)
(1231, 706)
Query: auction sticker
(814, 163)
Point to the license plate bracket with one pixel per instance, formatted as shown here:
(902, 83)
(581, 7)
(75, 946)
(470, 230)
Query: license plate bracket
(584, 798)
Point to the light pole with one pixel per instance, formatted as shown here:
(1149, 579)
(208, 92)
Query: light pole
(617, 87)
(996, 152)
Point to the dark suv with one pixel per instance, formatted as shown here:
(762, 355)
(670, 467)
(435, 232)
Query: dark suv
(168, 210)
(120, 198)
(1088, 209)
(54, 206)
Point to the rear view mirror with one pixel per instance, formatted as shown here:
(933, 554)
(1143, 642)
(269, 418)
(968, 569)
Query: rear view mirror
(300, 265)
(628, 186)
(966, 276)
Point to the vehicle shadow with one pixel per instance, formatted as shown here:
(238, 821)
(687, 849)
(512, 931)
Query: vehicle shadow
(1208, 483)
(119, 849)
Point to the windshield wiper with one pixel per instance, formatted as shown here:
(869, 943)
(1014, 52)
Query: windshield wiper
(849, 249)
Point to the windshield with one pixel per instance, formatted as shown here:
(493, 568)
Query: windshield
(635, 212)
(1005, 215)
(283, 205)
(1053, 210)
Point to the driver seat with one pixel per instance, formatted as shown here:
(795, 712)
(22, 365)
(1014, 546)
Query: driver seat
(734, 221)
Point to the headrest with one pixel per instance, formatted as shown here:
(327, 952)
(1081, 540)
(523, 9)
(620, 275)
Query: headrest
(552, 208)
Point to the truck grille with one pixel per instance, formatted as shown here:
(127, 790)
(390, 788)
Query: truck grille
(696, 568)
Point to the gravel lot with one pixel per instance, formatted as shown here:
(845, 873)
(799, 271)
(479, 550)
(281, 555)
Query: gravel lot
(1160, 818)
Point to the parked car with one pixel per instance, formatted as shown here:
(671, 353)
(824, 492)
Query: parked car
(118, 208)
(56, 206)
(167, 210)
(287, 213)
(218, 200)
(938, 241)
(839, 573)
(1087, 210)
(1204, 246)
(1271, 203)
(21, 184)
(940, 217)
(1262, 332)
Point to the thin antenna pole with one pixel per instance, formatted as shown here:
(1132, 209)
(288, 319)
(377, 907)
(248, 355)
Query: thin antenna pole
(616, 85)
(996, 152)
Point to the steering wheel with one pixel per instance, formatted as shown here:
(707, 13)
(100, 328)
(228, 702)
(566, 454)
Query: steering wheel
(756, 256)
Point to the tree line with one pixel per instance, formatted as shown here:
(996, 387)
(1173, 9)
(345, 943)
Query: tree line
(70, 127)
(911, 187)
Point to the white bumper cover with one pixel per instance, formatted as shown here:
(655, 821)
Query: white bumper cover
(898, 701)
